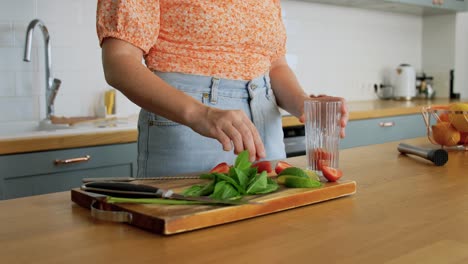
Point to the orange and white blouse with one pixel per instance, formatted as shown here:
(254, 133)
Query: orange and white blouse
(235, 39)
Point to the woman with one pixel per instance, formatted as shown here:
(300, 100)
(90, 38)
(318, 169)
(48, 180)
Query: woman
(215, 74)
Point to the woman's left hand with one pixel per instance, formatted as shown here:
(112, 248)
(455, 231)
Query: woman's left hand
(344, 111)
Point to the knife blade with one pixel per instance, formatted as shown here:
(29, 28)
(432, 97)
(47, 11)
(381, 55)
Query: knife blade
(130, 190)
(130, 179)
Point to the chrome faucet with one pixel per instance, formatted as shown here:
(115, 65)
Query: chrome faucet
(52, 85)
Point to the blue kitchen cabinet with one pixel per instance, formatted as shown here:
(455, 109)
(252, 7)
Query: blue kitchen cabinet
(379, 130)
(43, 172)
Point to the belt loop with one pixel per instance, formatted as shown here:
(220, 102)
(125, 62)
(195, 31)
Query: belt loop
(266, 78)
(214, 90)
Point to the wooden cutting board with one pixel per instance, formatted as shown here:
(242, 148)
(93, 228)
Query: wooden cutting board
(173, 219)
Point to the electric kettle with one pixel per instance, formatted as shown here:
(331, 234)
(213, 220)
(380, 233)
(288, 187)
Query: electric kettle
(404, 83)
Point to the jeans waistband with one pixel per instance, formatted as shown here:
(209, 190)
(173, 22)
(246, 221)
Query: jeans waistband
(207, 81)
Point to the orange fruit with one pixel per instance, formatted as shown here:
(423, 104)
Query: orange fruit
(445, 134)
(459, 120)
(443, 117)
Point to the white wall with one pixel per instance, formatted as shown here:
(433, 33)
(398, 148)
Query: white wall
(343, 51)
(334, 50)
(438, 52)
(461, 58)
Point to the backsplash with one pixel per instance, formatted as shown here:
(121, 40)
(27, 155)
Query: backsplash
(333, 50)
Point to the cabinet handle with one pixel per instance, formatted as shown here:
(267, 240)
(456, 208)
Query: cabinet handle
(73, 160)
(387, 124)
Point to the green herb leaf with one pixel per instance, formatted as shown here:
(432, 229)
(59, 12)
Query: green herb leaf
(223, 190)
(258, 184)
(224, 177)
(194, 190)
(242, 161)
(240, 177)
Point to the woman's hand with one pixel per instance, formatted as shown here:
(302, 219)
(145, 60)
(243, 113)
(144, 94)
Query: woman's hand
(123, 70)
(232, 128)
(344, 111)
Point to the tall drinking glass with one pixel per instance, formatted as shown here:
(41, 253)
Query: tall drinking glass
(322, 131)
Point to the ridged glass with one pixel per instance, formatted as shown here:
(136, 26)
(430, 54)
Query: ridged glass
(322, 132)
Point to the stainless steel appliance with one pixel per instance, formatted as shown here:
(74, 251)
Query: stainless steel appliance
(294, 141)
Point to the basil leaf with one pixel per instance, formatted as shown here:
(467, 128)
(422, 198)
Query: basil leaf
(223, 190)
(271, 187)
(242, 161)
(193, 190)
(223, 177)
(258, 184)
(240, 177)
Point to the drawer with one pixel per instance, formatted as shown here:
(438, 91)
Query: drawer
(52, 171)
(20, 165)
(380, 130)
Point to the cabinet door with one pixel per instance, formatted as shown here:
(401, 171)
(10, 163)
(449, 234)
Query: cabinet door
(61, 170)
(380, 130)
(456, 5)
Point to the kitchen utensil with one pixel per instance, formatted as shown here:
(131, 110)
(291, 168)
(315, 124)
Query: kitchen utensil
(383, 92)
(322, 133)
(438, 156)
(452, 94)
(173, 219)
(404, 86)
(424, 86)
(129, 190)
(130, 179)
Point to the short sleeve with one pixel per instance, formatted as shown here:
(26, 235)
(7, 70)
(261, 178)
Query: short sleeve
(134, 21)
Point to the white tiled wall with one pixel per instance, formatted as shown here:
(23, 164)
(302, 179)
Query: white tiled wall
(333, 50)
(76, 60)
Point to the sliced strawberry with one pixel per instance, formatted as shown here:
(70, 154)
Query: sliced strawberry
(222, 167)
(281, 165)
(331, 174)
(263, 166)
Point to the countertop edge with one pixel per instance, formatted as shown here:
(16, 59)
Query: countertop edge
(55, 142)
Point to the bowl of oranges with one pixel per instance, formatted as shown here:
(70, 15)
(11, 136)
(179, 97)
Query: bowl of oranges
(447, 125)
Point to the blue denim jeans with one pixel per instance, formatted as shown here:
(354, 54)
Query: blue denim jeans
(168, 148)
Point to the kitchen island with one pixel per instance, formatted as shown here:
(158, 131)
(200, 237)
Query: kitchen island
(406, 210)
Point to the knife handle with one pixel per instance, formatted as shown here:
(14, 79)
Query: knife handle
(123, 189)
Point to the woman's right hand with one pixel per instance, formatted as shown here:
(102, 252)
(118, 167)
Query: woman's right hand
(232, 128)
(144, 88)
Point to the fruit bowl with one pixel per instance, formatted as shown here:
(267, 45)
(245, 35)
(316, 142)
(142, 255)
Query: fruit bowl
(447, 125)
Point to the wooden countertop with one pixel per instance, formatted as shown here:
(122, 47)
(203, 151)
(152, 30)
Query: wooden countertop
(379, 108)
(358, 110)
(405, 210)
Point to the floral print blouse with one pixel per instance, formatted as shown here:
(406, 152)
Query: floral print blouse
(235, 39)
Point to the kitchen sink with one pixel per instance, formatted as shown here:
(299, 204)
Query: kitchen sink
(16, 128)
(45, 128)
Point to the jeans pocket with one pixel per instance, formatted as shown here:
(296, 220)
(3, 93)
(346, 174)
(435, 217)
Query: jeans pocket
(157, 120)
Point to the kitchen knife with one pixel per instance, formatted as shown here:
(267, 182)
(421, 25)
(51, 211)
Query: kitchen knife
(129, 190)
(130, 179)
